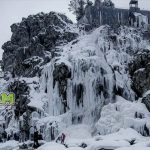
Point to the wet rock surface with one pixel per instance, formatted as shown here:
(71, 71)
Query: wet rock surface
(34, 42)
(146, 101)
(140, 72)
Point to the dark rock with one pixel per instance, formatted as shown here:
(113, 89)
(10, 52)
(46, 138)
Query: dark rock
(139, 70)
(139, 115)
(146, 101)
(35, 37)
(83, 145)
(79, 91)
(61, 74)
(132, 142)
(21, 91)
(23, 146)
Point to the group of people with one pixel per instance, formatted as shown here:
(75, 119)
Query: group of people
(20, 136)
(4, 136)
(35, 137)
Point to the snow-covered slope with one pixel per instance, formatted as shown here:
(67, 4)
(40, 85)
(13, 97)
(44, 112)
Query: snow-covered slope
(124, 114)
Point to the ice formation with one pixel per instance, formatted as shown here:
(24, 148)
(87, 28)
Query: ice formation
(96, 65)
(84, 90)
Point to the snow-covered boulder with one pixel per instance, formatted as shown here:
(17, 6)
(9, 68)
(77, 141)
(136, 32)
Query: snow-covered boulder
(52, 146)
(124, 114)
(139, 69)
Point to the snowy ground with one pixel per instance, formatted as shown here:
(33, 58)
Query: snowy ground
(79, 135)
(116, 141)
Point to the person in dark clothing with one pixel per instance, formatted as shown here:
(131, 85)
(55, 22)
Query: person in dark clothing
(36, 136)
(4, 136)
(1, 138)
(12, 135)
(16, 137)
(8, 137)
(40, 136)
(63, 136)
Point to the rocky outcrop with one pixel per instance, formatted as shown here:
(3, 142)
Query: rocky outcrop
(146, 100)
(21, 91)
(61, 74)
(139, 70)
(34, 42)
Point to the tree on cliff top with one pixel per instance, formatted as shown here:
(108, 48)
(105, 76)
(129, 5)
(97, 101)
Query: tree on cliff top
(108, 3)
(77, 7)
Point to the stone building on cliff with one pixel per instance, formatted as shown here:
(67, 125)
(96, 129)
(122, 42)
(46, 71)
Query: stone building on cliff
(101, 13)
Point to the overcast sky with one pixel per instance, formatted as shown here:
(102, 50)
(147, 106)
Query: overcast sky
(12, 11)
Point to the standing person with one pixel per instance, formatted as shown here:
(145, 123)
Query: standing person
(63, 136)
(1, 133)
(36, 134)
(16, 137)
(12, 135)
(31, 137)
(22, 136)
(8, 137)
(40, 137)
(4, 136)
(1, 138)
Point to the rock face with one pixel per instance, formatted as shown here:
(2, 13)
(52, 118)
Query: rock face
(34, 42)
(146, 100)
(140, 72)
(65, 79)
(21, 91)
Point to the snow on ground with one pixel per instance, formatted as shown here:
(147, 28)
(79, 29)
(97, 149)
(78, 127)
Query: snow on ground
(123, 114)
(75, 148)
(134, 148)
(107, 145)
(78, 131)
(78, 134)
(116, 141)
(52, 146)
(121, 135)
(9, 145)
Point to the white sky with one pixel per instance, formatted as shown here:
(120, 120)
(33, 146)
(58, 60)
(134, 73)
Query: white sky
(12, 11)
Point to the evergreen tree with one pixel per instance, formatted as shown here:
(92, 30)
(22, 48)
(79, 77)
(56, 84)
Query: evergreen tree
(77, 7)
(108, 3)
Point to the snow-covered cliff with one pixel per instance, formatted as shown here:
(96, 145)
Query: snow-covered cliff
(64, 77)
